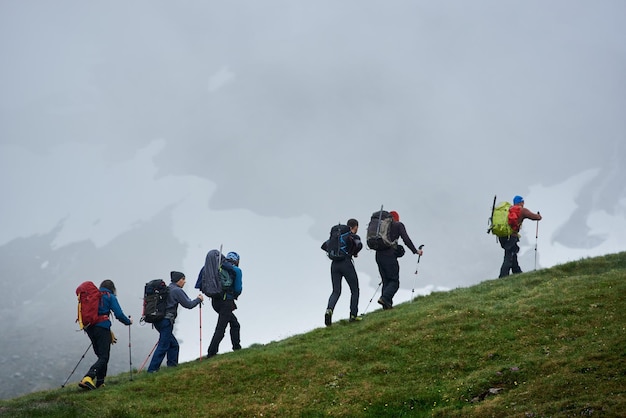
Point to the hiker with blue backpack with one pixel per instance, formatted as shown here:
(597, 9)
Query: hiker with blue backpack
(387, 259)
(168, 344)
(509, 243)
(221, 279)
(101, 336)
(341, 246)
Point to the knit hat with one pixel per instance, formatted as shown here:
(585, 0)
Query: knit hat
(517, 199)
(176, 276)
(395, 215)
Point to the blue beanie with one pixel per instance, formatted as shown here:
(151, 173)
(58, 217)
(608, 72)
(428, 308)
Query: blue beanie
(517, 199)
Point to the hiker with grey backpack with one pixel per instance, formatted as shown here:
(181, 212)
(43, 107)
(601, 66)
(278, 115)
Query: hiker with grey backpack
(383, 233)
(341, 246)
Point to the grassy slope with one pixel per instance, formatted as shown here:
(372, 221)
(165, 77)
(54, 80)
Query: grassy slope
(548, 343)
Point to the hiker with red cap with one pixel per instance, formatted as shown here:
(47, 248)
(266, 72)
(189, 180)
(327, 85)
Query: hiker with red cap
(387, 261)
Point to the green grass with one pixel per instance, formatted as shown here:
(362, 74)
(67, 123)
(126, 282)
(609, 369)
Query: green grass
(550, 343)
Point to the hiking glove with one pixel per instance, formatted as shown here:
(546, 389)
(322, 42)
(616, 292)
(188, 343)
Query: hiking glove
(113, 339)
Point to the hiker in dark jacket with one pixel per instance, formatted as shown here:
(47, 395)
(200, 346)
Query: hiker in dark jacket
(345, 268)
(387, 261)
(168, 344)
(510, 244)
(225, 306)
(101, 336)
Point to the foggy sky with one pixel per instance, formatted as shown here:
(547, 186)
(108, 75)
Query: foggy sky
(135, 137)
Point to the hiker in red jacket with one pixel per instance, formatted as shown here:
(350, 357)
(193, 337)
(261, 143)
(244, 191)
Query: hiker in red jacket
(517, 214)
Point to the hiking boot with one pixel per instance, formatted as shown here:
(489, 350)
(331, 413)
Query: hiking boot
(99, 384)
(384, 304)
(87, 383)
(355, 318)
(328, 317)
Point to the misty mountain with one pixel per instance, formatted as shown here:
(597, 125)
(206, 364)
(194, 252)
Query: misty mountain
(133, 143)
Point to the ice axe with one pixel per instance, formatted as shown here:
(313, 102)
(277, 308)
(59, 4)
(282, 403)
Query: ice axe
(416, 268)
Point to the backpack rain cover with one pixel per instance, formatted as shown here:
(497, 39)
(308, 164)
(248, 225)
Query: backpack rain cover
(215, 277)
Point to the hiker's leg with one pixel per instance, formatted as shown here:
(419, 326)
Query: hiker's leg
(105, 355)
(515, 268)
(392, 271)
(235, 330)
(335, 278)
(381, 262)
(90, 372)
(507, 262)
(165, 328)
(353, 282)
(172, 352)
(101, 338)
(223, 317)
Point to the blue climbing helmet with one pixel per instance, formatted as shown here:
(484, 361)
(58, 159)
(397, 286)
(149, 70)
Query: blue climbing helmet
(232, 256)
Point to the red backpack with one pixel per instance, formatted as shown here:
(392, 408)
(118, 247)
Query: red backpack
(514, 212)
(89, 297)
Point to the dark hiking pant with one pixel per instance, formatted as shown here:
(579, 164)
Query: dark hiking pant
(511, 248)
(225, 317)
(344, 269)
(389, 270)
(167, 346)
(101, 339)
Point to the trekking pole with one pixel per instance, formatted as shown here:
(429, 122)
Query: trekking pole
(536, 239)
(149, 354)
(130, 355)
(376, 291)
(75, 367)
(416, 268)
(200, 330)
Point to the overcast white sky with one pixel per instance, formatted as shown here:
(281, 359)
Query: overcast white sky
(136, 136)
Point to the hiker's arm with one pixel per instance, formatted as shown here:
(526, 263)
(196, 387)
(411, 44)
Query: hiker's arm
(238, 283)
(199, 281)
(527, 214)
(357, 245)
(117, 310)
(181, 297)
(406, 239)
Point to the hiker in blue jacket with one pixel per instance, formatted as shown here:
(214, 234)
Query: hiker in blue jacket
(168, 344)
(101, 336)
(224, 305)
